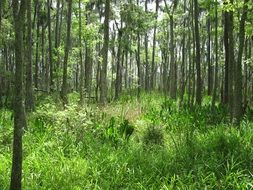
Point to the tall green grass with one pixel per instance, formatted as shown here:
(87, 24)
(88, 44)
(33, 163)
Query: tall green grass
(84, 148)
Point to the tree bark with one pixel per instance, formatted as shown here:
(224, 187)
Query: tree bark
(197, 39)
(238, 109)
(29, 101)
(153, 69)
(51, 77)
(103, 81)
(66, 55)
(216, 57)
(81, 90)
(19, 9)
(210, 67)
(119, 68)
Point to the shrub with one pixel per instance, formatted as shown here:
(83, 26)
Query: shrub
(153, 135)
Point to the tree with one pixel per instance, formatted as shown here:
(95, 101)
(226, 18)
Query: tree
(197, 41)
(19, 9)
(50, 57)
(216, 56)
(173, 66)
(118, 84)
(238, 110)
(80, 53)
(29, 100)
(88, 56)
(66, 55)
(103, 87)
(153, 69)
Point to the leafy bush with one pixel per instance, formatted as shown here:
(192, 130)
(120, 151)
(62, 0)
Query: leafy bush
(153, 135)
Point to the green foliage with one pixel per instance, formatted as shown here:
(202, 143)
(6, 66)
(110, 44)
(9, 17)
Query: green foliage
(126, 129)
(88, 147)
(153, 135)
(136, 18)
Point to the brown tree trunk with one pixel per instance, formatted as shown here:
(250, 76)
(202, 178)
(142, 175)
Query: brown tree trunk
(64, 88)
(50, 58)
(238, 109)
(81, 90)
(36, 74)
(210, 67)
(216, 57)
(119, 68)
(19, 9)
(197, 39)
(103, 80)
(138, 66)
(153, 69)
(29, 100)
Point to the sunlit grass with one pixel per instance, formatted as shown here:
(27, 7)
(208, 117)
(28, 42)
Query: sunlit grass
(83, 148)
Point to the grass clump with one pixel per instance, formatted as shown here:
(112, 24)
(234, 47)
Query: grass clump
(153, 135)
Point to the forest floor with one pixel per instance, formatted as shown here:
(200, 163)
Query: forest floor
(148, 144)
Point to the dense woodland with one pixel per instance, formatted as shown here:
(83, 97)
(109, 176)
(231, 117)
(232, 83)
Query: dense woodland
(126, 94)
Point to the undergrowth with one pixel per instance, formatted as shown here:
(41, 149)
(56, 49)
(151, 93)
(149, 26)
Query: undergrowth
(148, 144)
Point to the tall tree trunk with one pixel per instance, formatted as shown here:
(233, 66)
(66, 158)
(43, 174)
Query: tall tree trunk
(88, 70)
(138, 65)
(43, 56)
(29, 100)
(210, 68)
(81, 90)
(189, 67)
(58, 24)
(126, 68)
(19, 9)
(153, 69)
(147, 82)
(226, 46)
(183, 62)
(173, 87)
(88, 59)
(197, 39)
(238, 110)
(64, 88)
(36, 74)
(216, 56)
(119, 68)
(50, 58)
(231, 61)
(1, 7)
(103, 81)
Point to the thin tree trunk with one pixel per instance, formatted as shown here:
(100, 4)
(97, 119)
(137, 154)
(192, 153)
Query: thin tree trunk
(153, 70)
(49, 2)
(64, 88)
(138, 66)
(19, 10)
(231, 61)
(36, 74)
(103, 80)
(146, 55)
(238, 109)
(183, 62)
(43, 57)
(119, 68)
(216, 56)
(197, 39)
(81, 91)
(210, 68)
(29, 101)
